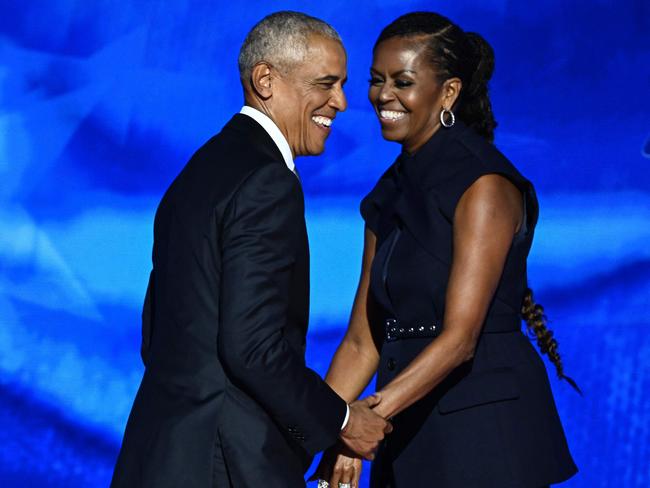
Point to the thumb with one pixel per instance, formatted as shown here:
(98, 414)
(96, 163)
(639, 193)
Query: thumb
(373, 400)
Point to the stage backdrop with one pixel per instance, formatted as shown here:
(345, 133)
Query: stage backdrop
(102, 102)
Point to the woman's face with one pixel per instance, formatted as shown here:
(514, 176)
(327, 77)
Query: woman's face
(404, 92)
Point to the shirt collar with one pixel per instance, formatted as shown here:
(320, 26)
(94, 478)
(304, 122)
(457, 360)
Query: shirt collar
(273, 131)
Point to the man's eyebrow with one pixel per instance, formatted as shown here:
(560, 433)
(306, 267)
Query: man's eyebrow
(329, 79)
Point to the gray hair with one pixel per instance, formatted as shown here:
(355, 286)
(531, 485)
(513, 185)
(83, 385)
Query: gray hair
(281, 39)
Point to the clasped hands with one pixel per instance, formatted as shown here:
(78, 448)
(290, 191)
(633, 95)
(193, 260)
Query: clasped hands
(341, 463)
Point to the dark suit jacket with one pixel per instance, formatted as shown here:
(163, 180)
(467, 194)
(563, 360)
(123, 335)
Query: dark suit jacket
(224, 328)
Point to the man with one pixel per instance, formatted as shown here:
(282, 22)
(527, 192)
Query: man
(226, 398)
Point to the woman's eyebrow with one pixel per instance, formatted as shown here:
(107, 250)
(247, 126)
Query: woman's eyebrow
(396, 73)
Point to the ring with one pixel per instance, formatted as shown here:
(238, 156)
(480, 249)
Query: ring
(323, 484)
(344, 485)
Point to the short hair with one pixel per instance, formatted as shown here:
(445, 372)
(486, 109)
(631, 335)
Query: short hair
(282, 40)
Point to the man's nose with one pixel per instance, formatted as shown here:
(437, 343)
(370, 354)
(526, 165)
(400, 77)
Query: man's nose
(338, 100)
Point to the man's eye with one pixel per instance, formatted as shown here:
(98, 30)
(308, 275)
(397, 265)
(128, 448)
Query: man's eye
(374, 81)
(403, 83)
(326, 86)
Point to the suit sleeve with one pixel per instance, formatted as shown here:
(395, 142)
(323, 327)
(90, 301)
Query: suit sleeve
(260, 239)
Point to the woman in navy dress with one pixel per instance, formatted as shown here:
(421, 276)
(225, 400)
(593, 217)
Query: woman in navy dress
(443, 291)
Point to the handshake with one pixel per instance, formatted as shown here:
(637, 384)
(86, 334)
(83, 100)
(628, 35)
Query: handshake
(340, 465)
(365, 428)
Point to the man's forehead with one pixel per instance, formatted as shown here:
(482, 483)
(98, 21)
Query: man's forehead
(325, 58)
(319, 42)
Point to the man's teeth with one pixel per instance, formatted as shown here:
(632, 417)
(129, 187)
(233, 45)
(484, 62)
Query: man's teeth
(391, 114)
(320, 120)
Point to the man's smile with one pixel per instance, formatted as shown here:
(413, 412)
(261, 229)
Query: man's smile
(322, 121)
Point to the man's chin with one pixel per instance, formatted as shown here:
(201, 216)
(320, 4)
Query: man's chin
(316, 149)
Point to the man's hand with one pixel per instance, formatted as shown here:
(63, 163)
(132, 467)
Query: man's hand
(365, 429)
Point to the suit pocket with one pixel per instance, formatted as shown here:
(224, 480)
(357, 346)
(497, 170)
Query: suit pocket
(476, 389)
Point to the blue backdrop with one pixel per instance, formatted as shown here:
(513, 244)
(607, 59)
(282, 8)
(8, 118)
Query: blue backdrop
(101, 103)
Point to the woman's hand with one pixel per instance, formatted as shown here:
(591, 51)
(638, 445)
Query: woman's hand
(338, 465)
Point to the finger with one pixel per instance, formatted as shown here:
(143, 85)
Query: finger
(373, 400)
(368, 451)
(346, 476)
(358, 467)
(347, 471)
(336, 477)
(389, 428)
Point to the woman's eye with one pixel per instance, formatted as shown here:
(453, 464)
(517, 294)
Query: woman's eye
(374, 81)
(403, 83)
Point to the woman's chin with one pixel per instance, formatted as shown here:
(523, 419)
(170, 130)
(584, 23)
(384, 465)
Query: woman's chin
(391, 134)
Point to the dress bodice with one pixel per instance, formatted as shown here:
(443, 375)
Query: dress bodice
(411, 211)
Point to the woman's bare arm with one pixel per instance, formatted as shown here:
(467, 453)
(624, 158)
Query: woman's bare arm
(487, 216)
(357, 357)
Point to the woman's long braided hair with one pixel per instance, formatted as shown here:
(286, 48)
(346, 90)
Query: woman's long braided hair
(468, 56)
(533, 314)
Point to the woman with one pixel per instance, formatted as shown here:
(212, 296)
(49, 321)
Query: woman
(443, 288)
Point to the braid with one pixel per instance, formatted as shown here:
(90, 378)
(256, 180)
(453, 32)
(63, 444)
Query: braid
(474, 106)
(535, 318)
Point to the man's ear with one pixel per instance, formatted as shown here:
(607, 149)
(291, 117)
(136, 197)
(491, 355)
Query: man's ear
(261, 80)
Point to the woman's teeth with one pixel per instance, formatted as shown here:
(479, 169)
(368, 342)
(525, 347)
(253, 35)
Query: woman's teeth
(391, 114)
(322, 121)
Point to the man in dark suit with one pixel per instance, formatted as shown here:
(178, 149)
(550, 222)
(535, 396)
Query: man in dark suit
(226, 398)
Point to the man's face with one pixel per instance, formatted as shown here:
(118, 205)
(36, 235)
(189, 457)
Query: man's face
(307, 99)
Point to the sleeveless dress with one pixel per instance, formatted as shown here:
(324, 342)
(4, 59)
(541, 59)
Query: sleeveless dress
(492, 422)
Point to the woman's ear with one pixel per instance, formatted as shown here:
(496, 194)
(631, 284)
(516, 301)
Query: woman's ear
(450, 92)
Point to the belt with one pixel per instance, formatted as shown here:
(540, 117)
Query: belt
(395, 330)
(494, 324)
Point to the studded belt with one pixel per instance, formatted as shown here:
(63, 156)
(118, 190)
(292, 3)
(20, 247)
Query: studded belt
(395, 330)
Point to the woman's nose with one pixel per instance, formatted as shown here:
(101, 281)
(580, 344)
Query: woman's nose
(385, 93)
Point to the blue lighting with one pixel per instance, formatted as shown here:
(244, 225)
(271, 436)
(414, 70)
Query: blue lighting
(101, 104)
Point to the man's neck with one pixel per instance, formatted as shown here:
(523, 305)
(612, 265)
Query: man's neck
(273, 131)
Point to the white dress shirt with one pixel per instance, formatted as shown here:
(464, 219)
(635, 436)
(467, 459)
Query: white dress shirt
(269, 126)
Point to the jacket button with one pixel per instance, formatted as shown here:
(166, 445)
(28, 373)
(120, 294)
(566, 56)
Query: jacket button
(391, 364)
